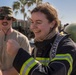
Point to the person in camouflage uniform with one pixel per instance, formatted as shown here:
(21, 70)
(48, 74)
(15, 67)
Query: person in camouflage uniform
(6, 33)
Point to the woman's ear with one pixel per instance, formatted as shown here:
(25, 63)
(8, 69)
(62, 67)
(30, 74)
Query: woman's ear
(52, 24)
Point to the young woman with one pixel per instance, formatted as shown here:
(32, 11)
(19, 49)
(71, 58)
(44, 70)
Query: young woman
(54, 54)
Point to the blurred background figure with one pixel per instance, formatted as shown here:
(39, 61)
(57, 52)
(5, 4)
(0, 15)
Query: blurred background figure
(71, 30)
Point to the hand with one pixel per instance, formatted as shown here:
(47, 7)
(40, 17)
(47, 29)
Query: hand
(12, 47)
(11, 71)
(1, 72)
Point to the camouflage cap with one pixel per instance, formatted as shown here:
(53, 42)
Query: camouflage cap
(6, 11)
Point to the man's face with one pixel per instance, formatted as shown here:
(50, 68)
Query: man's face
(5, 22)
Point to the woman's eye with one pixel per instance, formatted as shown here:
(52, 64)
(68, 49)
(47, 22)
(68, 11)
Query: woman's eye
(39, 22)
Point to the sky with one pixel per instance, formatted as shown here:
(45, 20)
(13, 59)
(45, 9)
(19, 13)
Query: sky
(66, 9)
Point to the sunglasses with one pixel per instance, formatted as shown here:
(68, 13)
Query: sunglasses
(7, 17)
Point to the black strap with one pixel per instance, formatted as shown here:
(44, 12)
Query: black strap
(55, 45)
(5, 34)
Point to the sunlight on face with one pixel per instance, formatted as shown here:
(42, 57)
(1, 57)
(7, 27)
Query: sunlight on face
(39, 25)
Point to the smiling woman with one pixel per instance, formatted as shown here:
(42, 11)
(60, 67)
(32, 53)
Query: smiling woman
(53, 54)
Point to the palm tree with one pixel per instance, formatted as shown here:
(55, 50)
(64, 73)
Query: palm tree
(20, 6)
(37, 2)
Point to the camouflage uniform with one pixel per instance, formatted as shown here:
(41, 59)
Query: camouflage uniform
(5, 59)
